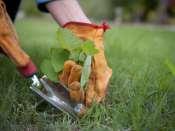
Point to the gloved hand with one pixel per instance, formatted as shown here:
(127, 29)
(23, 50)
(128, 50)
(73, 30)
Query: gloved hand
(9, 44)
(100, 72)
(70, 77)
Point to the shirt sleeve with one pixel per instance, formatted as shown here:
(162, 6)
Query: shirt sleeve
(41, 4)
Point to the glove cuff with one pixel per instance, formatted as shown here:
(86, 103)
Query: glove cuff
(103, 26)
(87, 31)
(28, 70)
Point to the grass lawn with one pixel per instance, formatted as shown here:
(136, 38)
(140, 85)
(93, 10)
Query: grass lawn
(141, 94)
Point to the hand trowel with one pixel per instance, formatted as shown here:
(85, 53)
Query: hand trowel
(57, 95)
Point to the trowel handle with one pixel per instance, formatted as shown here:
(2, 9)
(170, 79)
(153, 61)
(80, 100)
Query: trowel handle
(11, 48)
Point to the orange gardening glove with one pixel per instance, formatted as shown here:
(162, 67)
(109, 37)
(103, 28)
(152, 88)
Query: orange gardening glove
(100, 71)
(70, 77)
(9, 44)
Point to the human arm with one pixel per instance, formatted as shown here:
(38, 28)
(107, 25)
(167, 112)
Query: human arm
(9, 44)
(64, 11)
(69, 15)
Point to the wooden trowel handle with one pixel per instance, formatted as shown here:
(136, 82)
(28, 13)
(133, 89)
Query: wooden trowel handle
(11, 48)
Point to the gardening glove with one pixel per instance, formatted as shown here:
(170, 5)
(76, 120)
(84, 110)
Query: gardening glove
(9, 44)
(100, 72)
(70, 77)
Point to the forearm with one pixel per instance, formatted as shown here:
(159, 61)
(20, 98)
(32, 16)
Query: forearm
(64, 11)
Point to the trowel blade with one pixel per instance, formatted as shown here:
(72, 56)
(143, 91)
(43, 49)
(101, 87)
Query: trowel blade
(57, 95)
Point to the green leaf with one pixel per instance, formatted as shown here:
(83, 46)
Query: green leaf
(48, 70)
(89, 48)
(171, 66)
(70, 47)
(58, 57)
(74, 54)
(67, 39)
(86, 71)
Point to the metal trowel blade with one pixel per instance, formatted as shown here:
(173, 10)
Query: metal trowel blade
(57, 95)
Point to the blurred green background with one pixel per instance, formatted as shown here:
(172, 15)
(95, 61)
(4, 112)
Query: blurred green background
(152, 11)
(141, 93)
